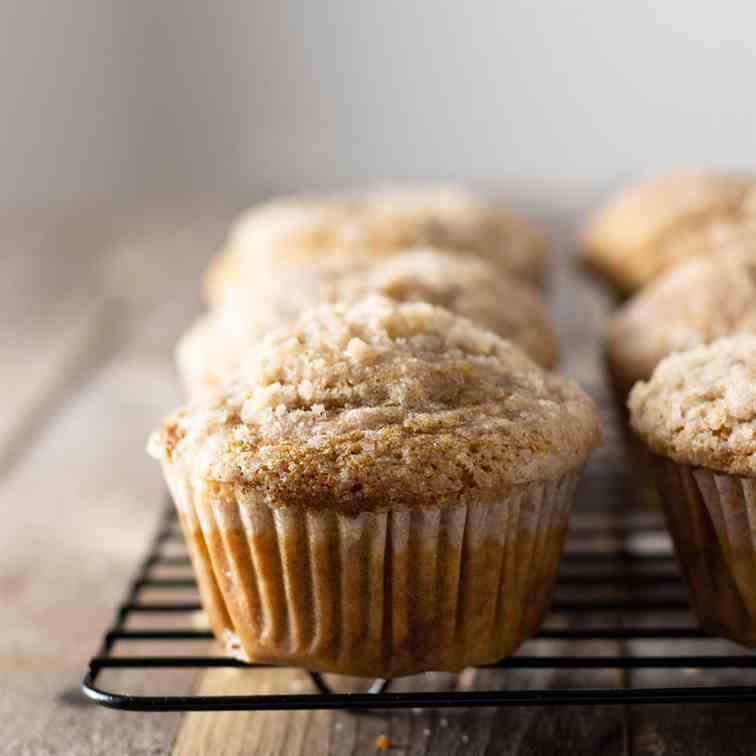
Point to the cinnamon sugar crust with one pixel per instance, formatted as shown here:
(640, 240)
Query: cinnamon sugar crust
(699, 407)
(210, 352)
(653, 225)
(377, 223)
(378, 405)
(695, 303)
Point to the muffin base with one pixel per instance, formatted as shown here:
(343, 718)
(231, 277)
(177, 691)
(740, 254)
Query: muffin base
(379, 594)
(712, 520)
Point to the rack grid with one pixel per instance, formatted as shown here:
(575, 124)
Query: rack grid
(633, 564)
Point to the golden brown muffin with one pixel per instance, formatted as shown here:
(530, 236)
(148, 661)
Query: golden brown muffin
(651, 226)
(695, 303)
(211, 351)
(384, 490)
(299, 230)
(697, 414)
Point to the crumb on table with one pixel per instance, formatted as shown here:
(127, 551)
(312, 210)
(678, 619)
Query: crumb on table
(383, 743)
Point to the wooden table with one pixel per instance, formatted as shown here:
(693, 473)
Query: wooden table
(90, 310)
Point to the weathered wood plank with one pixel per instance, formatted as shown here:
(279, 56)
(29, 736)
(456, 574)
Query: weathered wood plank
(80, 498)
(700, 729)
(517, 730)
(685, 728)
(50, 314)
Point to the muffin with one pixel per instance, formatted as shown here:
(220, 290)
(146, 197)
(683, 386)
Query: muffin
(297, 230)
(697, 302)
(210, 351)
(697, 416)
(651, 226)
(384, 490)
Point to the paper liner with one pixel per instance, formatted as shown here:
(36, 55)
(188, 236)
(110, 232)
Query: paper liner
(212, 598)
(381, 593)
(712, 519)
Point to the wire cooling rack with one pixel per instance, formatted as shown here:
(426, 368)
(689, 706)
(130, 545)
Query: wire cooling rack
(629, 564)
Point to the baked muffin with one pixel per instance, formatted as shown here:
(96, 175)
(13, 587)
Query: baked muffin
(651, 226)
(210, 351)
(298, 230)
(695, 303)
(384, 490)
(697, 415)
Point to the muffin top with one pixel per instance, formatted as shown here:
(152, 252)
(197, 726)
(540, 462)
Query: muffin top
(210, 352)
(699, 407)
(297, 230)
(382, 404)
(695, 303)
(653, 225)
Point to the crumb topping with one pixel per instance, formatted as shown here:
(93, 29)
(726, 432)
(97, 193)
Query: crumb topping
(377, 404)
(297, 230)
(699, 407)
(649, 227)
(209, 353)
(695, 303)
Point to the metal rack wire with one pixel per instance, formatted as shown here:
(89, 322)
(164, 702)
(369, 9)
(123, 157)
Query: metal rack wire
(638, 581)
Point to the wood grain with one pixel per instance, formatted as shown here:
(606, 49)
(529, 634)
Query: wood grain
(518, 730)
(79, 495)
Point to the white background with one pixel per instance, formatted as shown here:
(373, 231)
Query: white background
(133, 102)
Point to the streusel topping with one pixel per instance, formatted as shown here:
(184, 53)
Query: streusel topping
(210, 352)
(695, 303)
(379, 404)
(297, 230)
(699, 407)
(655, 224)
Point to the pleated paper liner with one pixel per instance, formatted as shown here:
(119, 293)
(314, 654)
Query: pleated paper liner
(712, 519)
(212, 599)
(378, 594)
